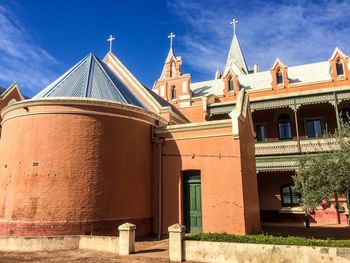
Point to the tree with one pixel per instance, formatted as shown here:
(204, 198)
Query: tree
(326, 174)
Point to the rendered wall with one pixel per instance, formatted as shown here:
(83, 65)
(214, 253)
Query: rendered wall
(74, 169)
(225, 182)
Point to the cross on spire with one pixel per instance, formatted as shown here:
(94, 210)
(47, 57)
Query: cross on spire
(110, 40)
(171, 36)
(233, 23)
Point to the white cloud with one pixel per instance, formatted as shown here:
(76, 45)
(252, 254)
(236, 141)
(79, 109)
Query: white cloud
(297, 32)
(21, 58)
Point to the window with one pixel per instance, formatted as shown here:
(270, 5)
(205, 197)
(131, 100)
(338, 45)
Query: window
(339, 67)
(279, 77)
(313, 128)
(289, 197)
(284, 127)
(173, 69)
(260, 132)
(230, 84)
(173, 93)
(345, 115)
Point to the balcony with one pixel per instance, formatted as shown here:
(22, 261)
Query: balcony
(292, 146)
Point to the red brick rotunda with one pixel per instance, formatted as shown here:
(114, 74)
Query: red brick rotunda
(76, 159)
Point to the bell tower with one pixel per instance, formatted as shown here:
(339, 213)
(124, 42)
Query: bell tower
(172, 85)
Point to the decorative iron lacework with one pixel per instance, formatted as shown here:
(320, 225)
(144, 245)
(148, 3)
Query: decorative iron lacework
(289, 147)
(293, 103)
(221, 109)
(276, 166)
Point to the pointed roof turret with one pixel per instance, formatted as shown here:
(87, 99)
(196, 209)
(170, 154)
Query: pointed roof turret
(91, 78)
(170, 57)
(235, 55)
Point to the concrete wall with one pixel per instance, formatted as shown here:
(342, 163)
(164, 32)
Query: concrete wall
(49, 243)
(99, 243)
(30, 244)
(71, 167)
(200, 251)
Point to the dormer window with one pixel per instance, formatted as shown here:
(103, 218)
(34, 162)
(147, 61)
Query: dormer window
(279, 76)
(230, 84)
(339, 67)
(173, 93)
(173, 69)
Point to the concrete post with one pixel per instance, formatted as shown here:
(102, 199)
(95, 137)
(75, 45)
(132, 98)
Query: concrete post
(176, 242)
(126, 239)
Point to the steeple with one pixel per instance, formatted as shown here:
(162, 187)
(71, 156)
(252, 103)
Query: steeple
(172, 65)
(235, 55)
(171, 53)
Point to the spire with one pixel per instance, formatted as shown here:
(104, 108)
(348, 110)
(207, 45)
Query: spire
(171, 53)
(170, 57)
(235, 54)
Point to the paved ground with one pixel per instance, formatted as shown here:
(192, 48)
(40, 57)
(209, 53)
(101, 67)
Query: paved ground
(76, 256)
(146, 251)
(152, 251)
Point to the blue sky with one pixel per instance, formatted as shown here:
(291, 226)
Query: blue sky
(41, 39)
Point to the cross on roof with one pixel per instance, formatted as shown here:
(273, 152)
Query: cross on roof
(233, 23)
(171, 36)
(110, 40)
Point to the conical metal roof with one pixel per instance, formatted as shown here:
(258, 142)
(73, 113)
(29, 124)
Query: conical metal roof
(92, 78)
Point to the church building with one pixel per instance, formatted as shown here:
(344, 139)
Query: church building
(96, 148)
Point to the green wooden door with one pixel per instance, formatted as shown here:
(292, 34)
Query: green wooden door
(192, 202)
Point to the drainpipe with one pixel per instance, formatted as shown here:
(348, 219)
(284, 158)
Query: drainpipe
(160, 143)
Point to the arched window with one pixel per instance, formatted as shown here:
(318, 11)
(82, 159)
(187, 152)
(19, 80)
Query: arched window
(284, 127)
(345, 115)
(230, 84)
(279, 76)
(339, 67)
(289, 197)
(173, 69)
(173, 93)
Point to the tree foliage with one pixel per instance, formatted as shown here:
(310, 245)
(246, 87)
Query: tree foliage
(327, 173)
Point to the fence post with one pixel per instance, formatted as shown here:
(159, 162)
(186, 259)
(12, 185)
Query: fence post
(126, 239)
(176, 242)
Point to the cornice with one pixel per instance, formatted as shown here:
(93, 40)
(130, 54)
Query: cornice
(65, 101)
(194, 126)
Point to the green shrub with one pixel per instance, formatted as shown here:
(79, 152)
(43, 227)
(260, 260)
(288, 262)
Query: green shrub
(266, 239)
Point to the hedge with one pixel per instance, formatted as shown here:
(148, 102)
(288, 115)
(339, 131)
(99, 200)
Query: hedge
(267, 239)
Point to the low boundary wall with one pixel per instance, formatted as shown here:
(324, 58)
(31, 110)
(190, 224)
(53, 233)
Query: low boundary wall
(123, 245)
(100, 243)
(31, 244)
(215, 252)
(222, 252)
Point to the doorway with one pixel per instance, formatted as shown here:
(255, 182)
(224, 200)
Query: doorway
(192, 201)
